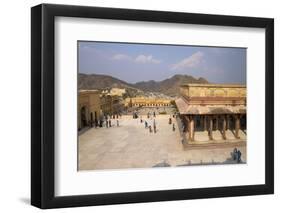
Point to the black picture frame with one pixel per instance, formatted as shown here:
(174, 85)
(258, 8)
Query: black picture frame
(43, 105)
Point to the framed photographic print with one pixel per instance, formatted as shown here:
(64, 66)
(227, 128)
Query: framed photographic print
(139, 106)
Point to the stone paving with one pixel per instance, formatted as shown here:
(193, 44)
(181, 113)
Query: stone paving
(132, 146)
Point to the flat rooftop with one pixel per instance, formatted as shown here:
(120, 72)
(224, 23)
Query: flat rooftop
(88, 91)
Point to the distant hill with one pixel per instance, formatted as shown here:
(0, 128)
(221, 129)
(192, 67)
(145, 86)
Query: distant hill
(95, 81)
(168, 86)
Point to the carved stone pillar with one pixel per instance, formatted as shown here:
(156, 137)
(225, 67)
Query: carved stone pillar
(191, 128)
(237, 126)
(210, 128)
(194, 118)
(188, 127)
(224, 127)
(227, 122)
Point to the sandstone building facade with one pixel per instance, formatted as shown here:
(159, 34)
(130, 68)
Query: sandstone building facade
(106, 104)
(147, 102)
(88, 107)
(213, 107)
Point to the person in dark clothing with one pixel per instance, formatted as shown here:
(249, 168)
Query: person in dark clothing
(183, 128)
(96, 123)
(239, 156)
(234, 154)
(170, 120)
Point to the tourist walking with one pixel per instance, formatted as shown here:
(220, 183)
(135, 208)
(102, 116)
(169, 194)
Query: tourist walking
(145, 124)
(174, 128)
(170, 120)
(109, 123)
(150, 129)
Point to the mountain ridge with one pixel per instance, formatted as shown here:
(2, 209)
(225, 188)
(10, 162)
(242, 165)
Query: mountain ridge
(169, 86)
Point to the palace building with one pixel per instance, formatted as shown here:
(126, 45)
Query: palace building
(213, 111)
(106, 104)
(147, 102)
(111, 104)
(117, 91)
(88, 107)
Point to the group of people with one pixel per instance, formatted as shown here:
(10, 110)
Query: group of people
(107, 121)
(236, 155)
(171, 123)
(150, 122)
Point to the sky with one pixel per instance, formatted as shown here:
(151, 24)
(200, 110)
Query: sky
(132, 62)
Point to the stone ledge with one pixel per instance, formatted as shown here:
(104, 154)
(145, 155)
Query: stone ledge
(214, 144)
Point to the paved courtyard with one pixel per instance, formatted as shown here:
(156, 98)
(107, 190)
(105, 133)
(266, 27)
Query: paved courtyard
(131, 145)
